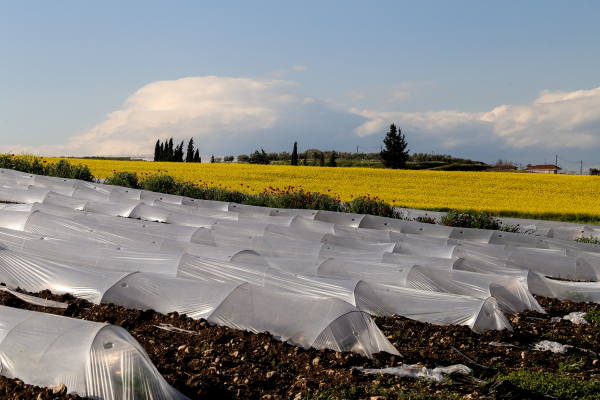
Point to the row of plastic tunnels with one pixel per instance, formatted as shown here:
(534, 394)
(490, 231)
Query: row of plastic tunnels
(312, 278)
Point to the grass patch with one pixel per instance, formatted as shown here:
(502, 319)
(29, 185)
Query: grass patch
(570, 387)
(593, 316)
(355, 392)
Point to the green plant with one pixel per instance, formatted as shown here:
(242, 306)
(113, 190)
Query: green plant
(593, 315)
(372, 206)
(569, 387)
(125, 179)
(476, 220)
(569, 364)
(31, 164)
(591, 239)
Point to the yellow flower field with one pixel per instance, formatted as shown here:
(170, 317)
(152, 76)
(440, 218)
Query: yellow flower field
(525, 193)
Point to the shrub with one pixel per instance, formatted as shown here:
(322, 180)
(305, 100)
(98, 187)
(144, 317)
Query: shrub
(125, 179)
(31, 164)
(476, 220)
(425, 220)
(372, 206)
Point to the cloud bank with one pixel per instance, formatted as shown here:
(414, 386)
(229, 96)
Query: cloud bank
(239, 115)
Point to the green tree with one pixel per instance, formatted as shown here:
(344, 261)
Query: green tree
(322, 160)
(157, 151)
(295, 154)
(197, 156)
(189, 156)
(395, 153)
(332, 159)
(212, 159)
(169, 155)
(161, 155)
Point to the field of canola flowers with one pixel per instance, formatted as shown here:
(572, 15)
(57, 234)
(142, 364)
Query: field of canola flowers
(495, 192)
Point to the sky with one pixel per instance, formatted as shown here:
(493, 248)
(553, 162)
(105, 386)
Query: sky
(481, 80)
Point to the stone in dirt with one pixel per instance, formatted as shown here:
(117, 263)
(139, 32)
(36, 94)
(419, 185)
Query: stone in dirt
(60, 390)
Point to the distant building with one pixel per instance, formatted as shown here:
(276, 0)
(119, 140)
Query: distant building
(505, 167)
(544, 169)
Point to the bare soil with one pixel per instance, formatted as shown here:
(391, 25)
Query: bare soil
(219, 362)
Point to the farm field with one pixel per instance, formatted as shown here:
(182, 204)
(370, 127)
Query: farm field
(504, 193)
(206, 326)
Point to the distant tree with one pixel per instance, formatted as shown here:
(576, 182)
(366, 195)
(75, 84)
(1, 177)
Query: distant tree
(322, 160)
(197, 156)
(243, 158)
(295, 154)
(228, 159)
(178, 154)
(304, 162)
(594, 171)
(189, 157)
(332, 159)
(284, 156)
(169, 155)
(212, 159)
(157, 151)
(395, 153)
(259, 158)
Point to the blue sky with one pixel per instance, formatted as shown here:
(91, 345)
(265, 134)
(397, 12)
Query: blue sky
(81, 78)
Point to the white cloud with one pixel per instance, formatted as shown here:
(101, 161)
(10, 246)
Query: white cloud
(219, 112)
(553, 120)
(238, 115)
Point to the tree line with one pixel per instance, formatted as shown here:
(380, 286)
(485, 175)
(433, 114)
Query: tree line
(166, 152)
(395, 154)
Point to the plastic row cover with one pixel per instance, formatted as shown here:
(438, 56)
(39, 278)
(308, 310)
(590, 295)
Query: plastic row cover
(101, 259)
(70, 229)
(97, 258)
(211, 300)
(91, 359)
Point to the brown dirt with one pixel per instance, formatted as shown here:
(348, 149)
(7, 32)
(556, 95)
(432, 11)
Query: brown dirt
(17, 390)
(220, 362)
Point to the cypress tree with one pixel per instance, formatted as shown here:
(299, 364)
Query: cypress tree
(295, 154)
(322, 160)
(197, 156)
(212, 159)
(179, 156)
(189, 157)
(332, 162)
(161, 154)
(170, 155)
(157, 151)
(395, 153)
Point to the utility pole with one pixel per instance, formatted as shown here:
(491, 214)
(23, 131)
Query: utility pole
(556, 165)
(581, 168)
(356, 149)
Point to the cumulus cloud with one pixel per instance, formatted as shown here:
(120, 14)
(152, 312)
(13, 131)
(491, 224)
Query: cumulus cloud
(239, 115)
(222, 114)
(555, 119)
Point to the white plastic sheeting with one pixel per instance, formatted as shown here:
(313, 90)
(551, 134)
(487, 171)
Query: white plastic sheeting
(482, 266)
(91, 359)
(211, 300)
(479, 314)
(420, 372)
